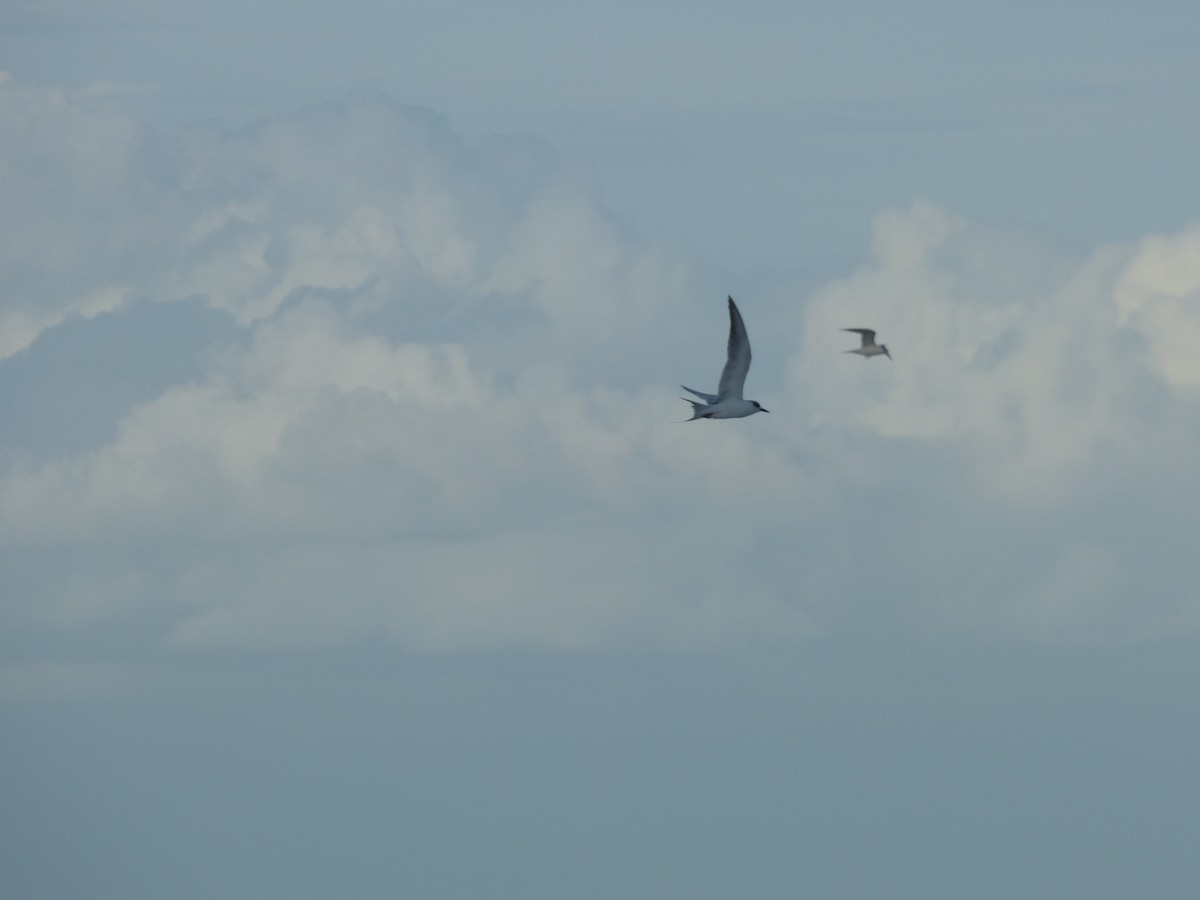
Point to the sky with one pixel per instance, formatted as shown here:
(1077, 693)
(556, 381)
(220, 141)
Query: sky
(351, 542)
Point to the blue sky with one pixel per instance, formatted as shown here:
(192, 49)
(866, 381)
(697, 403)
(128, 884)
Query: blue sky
(352, 544)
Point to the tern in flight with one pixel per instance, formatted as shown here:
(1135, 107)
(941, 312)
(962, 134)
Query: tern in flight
(869, 348)
(727, 402)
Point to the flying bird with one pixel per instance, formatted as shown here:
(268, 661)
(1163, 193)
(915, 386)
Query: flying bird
(727, 402)
(869, 347)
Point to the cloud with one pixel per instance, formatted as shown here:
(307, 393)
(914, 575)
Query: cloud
(67, 189)
(1055, 400)
(521, 589)
(1038, 379)
(366, 381)
(1158, 297)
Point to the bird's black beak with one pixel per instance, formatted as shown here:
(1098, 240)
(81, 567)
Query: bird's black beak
(764, 409)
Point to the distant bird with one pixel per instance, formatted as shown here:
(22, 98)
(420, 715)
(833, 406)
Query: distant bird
(869, 347)
(727, 402)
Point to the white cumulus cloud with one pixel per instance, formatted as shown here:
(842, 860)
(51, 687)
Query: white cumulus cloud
(374, 382)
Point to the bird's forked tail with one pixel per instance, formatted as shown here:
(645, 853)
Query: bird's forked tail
(699, 410)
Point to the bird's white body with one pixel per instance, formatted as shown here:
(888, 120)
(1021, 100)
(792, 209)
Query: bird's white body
(869, 348)
(727, 402)
(721, 409)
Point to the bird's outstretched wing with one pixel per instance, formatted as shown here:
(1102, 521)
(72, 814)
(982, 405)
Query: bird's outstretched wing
(737, 363)
(710, 399)
(868, 336)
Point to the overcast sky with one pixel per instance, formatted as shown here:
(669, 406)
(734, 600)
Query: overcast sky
(351, 544)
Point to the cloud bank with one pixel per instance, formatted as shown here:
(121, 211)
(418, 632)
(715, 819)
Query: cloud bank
(344, 377)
